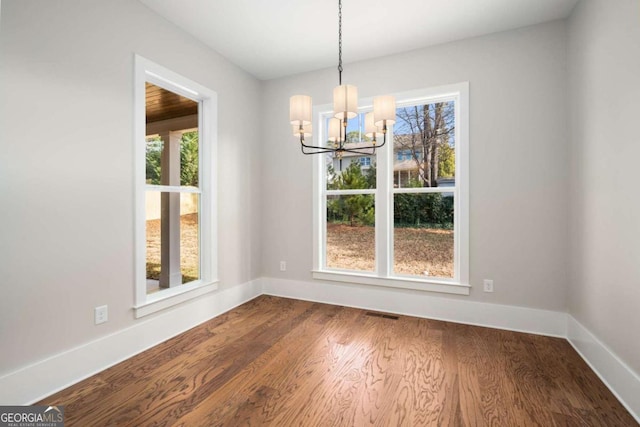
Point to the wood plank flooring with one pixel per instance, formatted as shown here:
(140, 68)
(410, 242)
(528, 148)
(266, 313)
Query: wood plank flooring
(282, 362)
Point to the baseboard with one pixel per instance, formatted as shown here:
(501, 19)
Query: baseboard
(421, 304)
(39, 380)
(623, 382)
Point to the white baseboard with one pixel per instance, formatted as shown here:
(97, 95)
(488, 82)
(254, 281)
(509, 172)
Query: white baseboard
(39, 380)
(421, 304)
(623, 382)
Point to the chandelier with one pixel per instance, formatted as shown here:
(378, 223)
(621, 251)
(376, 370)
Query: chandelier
(345, 107)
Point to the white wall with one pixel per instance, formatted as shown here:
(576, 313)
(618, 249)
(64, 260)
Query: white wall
(66, 166)
(518, 138)
(604, 66)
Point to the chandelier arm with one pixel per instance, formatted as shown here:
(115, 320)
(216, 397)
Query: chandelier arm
(358, 151)
(374, 147)
(318, 150)
(302, 144)
(325, 149)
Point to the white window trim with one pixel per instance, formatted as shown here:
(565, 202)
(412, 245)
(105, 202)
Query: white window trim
(384, 210)
(148, 71)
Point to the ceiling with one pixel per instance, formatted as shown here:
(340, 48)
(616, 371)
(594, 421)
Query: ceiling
(162, 104)
(277, 38)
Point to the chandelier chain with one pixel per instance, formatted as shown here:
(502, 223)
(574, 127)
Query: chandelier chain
(340, 42)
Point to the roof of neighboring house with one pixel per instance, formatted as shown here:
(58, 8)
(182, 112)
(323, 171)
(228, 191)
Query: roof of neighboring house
(405, 165)
(404, 141)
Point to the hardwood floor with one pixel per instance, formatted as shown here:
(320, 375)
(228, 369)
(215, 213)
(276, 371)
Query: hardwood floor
(283, 362)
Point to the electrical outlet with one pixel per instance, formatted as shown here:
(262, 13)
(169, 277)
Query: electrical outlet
(101, 314)
(283, 266)
(488, 285)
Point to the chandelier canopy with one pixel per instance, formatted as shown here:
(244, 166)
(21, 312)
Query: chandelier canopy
(345, 107)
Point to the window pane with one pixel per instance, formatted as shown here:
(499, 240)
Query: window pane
(351, 232)
(423, 242)
(424, 146)
(173, 239)
(187, 167)
(172, 137)
(352, 170)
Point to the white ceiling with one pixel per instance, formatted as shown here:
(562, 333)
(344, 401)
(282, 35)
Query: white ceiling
(276, 38)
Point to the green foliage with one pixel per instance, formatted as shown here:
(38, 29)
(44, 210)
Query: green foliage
(354, 209)
(354, 136)
(370, 175)
(428, 210)
(352, 178)
(188, 160)
(153, 156)
(447, 160)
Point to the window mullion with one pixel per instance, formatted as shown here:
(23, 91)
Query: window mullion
(383, 206)
(349, 192)
(424, 190)
(173, 189)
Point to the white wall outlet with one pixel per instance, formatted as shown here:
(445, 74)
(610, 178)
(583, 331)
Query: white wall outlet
(283, 265)
(101, 314)
(488, 285)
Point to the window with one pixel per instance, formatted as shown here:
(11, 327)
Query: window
(175, 188)
(399, 218)
(402, 155)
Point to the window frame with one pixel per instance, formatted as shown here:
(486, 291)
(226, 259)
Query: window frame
(384, 193)
(148, 71)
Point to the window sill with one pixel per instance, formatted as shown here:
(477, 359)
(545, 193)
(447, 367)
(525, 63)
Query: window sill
(394, 282)
(173, 296)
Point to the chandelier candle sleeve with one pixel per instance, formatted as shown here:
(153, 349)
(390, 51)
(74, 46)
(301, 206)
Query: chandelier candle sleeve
(370, 128)
(334, 130)
(300, 110)
(384, 110)
(345, 102)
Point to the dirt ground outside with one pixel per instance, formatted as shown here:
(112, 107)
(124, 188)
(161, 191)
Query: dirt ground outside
(417, 251)
(189, 248)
